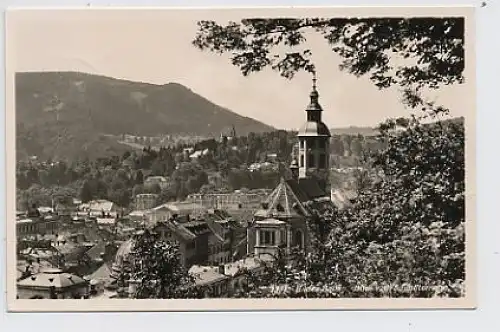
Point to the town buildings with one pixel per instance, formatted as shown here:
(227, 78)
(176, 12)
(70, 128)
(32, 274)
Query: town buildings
(52, 284)
(214, 247)
(145, 201)
(100, 208)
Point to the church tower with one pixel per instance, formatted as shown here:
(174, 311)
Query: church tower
(314, 144)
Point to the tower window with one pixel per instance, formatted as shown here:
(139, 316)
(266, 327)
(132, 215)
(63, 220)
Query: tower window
(310, 160)
(267, 238)
(301, 160)
(322, 160)
(301, 144)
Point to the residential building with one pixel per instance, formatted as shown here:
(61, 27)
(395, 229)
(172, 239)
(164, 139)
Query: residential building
(145, 201)
(36, 226)
(227, 279)
(156, 180)
(65, 209)
(212, 281)
(100, 208)
(52, 284)
(183, 211)
(227, 237)
(237, 200)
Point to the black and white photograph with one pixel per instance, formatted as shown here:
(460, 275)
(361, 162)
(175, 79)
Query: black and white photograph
(240, 158)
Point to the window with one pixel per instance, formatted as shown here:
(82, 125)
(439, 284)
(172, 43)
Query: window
(282, 236)
(191, 245)
(301, 144)
(267, 238)
(301, 160)
(322, 160)
(321, 144)
(310, 160)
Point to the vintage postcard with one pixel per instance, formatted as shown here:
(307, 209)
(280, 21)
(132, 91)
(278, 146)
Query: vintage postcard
(164, 159)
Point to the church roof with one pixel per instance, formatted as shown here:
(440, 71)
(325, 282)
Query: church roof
(282, 203)
(289, 198)
(306, 189)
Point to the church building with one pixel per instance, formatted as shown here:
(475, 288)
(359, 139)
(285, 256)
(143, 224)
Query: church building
(281, 223)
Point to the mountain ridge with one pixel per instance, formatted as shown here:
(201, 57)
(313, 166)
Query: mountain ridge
(76, 108)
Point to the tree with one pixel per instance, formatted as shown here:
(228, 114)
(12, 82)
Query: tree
(404, 235)
(139, 177)
(433, 49)
(407, 228)
(156, 266)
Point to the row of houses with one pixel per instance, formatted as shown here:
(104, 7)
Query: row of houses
(230, 279)
(213, 238)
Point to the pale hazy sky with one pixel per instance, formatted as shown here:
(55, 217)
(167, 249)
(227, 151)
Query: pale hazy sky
(155, 46)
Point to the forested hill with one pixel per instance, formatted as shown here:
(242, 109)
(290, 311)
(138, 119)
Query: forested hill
(61, 115)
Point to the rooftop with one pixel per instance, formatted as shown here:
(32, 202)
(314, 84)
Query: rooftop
(51, 278)
(205, 275)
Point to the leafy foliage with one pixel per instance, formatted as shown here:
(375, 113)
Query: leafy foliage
(157, 270)
(404, 235)
(413, 53)
(223, 168)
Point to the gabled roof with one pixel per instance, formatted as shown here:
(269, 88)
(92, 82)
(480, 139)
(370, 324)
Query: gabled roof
(249, 263)
(206, 275)
(306, 189)
(283, 202)
(102, 273)
(98, 205)
(197, 227)
(178, 229)
(97, 251)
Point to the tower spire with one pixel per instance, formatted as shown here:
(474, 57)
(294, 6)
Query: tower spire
(314, 108)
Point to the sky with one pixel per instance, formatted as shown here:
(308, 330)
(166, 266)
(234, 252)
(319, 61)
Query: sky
(154, 46)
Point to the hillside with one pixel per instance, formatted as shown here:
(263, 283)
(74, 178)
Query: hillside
(65, 115)
(353, 131)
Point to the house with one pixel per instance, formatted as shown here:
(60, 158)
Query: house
(145, 201)
(100, 208)
(44, 210)
(99, 280)
(158, 214)
(192, 238)
(156, 180)
(227, 279)
(27, 268)
(52, 284)
(65, 209)
(198, 154)
(228, 236)
(236, 271)
(219, 250)
(212, 280)
(138, 216)
(183, 211)
(36, 226)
